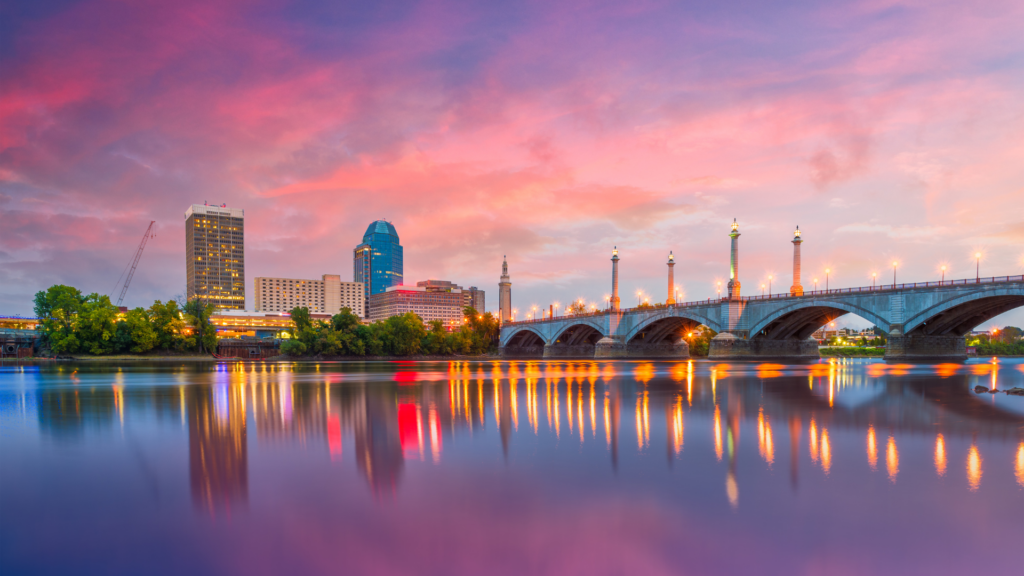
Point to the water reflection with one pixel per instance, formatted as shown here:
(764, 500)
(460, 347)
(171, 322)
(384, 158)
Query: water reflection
(388, 423)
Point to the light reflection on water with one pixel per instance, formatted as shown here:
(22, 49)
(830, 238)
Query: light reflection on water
(426, 453)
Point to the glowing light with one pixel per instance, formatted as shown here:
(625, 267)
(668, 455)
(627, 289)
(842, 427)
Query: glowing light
(718, 433)
(940, 455)
(814, 441)
(974, 468)
(892, 459)
(872, 448)
(1019, 468)
(826, 452)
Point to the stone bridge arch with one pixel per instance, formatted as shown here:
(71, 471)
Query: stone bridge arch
(660, 334)
(523, 335)
(958, 315)
(575, 338)
(801, 319)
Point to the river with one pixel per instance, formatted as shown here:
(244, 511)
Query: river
(582, 467)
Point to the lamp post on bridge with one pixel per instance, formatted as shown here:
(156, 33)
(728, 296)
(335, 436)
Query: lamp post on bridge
(874, 276)
(894, 274)
(719, 290)
(615, 278)
(671, 279)
(826, 279)
(769, 285)
(943, 275)
(815, 284)
(977, 268)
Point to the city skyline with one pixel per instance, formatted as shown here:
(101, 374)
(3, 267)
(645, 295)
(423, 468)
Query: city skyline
(487, 133)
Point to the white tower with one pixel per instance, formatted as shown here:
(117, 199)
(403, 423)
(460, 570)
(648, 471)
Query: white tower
(796, 289)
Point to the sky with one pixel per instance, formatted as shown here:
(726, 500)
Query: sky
(545, 131)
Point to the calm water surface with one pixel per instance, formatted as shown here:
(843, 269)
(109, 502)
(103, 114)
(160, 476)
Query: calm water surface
(852, 467)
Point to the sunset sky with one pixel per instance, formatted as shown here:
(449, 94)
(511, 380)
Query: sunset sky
(547, 131)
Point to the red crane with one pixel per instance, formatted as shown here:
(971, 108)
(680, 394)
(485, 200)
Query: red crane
(135, 262)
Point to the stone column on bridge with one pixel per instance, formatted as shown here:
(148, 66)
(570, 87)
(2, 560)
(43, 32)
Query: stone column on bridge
(671, 279)
(796, 289)
(612, 345)
(615, 278)
(734, 264)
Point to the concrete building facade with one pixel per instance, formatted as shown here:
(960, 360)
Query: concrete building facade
(430, 300)
(215, 255)
(325, 296)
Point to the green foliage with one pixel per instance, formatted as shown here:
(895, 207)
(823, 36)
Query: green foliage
(59, 307)
(169, 326)
(293, 347)
(852, 351)
(96, 324)
(345, 335)
(700, 340)
(135, 333)
(197, 314)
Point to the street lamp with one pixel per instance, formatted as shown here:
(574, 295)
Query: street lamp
(815, 284)
(894, 274)
(826, 279)
(769, 285)
(874, 276)
(977, 269)
(607, 301)
(719, 290)
(638, 293)
(943, 274)
(762, 290)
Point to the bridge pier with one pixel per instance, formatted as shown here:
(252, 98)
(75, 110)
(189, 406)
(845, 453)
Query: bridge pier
(726, 346)
(536, 351)
(610, 347)
(663, 349)
(562, 350)
(925, 348)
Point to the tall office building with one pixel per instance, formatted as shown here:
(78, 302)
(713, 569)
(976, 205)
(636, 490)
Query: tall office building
(378, 261)
(215, 255)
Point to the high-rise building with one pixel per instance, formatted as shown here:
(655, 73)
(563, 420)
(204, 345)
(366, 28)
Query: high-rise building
(215, 255)
(326, 296)
(378, 262)
(504, 294)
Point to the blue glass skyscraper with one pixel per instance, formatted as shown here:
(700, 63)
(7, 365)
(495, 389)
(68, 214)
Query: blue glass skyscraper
(378, 262)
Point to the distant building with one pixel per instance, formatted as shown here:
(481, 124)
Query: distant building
(440, 301)
(243, 323)
(378, 263)
(472, 297)
(215, 255)
(505, 294)
(325, 296)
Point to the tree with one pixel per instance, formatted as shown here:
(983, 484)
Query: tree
(197, 314)
(699, 340)
(135, 333)
(169, 326)
(59, 308)
(577, 308)
(96, 324)
(293, 347)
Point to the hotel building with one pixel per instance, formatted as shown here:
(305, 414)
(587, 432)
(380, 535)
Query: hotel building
(430, 300)
(325, 296)
(215, 255)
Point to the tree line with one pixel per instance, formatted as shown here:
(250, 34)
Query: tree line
(404, 335)
(73, 322)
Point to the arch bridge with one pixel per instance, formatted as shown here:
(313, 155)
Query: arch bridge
(924, 321)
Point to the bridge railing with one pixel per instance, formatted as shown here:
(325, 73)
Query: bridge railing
(877, 288)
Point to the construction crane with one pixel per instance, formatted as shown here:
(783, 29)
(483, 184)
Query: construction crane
(135, 262)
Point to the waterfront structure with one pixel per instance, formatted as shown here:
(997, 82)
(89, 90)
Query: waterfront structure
(215, 255)
(615, 278)
(378, 262)
(671, 279)
(923, 321)
(504, 293)
(796, 289)
(734, 262)
(325, 296)
(240, 323)
(439, 301)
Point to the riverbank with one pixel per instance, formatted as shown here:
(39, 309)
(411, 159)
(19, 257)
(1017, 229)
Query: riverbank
(850, 352)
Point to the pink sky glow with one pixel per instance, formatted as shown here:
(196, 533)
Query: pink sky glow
(545, 131)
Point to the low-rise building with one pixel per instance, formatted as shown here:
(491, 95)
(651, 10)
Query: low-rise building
(243, 323)
(430, 300)
(325, 296)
